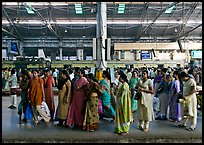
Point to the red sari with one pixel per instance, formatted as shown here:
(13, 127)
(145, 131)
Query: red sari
(75, 114)
(49, 95)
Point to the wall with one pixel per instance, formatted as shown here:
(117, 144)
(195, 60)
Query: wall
(156, 46)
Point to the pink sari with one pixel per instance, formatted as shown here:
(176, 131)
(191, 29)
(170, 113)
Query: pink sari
(75, 114)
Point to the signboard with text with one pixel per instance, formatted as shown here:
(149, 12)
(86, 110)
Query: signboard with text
(145, 55)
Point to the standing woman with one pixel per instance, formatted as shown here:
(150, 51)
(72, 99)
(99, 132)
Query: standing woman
(64, 98)
(108, 109)
(132, 82)
(123, 116)
(49, 94)
(91, 117)
(24, 81)
(76, 114)
(189, 102)
(145, 104)
(174, 106)
(37, 95)
(13, 89)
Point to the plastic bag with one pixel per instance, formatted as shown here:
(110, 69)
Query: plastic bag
(29, 112)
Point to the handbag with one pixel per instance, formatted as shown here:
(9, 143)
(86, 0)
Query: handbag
(180, 96)
(138, 96)
(29, 112)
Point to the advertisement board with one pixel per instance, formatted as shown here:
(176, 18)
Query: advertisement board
(196, 54)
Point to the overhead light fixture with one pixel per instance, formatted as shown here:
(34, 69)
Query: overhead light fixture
(78, 8)
(169, 10)
(121, 8)
(29, 10)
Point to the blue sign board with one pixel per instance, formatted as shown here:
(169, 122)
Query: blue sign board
(146, 55)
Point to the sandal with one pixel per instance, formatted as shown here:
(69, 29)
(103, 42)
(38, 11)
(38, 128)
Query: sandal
(181, 126)
(140, 128)
(146, 129)
(190, 129)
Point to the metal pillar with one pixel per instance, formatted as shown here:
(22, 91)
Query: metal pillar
(53, 55)
(21, 48)
(60, 50)
(101, 36)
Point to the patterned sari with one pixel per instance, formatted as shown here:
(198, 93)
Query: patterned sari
(91, 117)
(123, 110)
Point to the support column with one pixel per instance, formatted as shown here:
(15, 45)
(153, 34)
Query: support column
(80, 55)
(101, 36)
(60, 50)
(53, 55)
(21, 48)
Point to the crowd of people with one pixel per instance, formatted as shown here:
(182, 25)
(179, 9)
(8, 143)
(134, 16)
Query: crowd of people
(83, 100)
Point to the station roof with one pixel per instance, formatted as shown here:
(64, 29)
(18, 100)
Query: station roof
(126, 21)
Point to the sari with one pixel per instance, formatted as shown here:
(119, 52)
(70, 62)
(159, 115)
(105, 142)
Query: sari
(123, 110)
(91, 117)
(49, 95)
(108, 110)
(133, 82)
(75, 112)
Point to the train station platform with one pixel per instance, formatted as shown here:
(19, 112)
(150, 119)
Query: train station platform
(160, 131)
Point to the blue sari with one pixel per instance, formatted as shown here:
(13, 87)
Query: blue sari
(108, 110)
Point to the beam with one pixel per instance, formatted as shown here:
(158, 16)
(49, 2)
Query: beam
(177, 38)
(13, 25)
(4, 30)
(159, 14)
(190, 12)
(52, 16)
(143, 16)
(44, 21)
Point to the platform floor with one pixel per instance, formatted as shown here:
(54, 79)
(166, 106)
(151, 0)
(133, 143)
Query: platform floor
(160, 131)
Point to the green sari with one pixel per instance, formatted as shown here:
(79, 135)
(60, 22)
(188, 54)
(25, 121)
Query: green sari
(123, 110)
(132, 83)
(108, 110)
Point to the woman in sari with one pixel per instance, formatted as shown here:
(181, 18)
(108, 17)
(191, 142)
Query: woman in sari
(108, 110)
(91, 117)
(76, 114)
(133, 81)
(174, 106)
(64, 99)
(123, 108)
(49, 94)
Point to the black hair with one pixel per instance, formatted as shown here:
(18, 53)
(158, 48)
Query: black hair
(176, 72)
(105, 72)
(13, 71)
(145, 71)
(124, 77)
(183, 74)
(82, 71)
(164, 70)
(92, 77)
(65, 73)
(77, 69)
